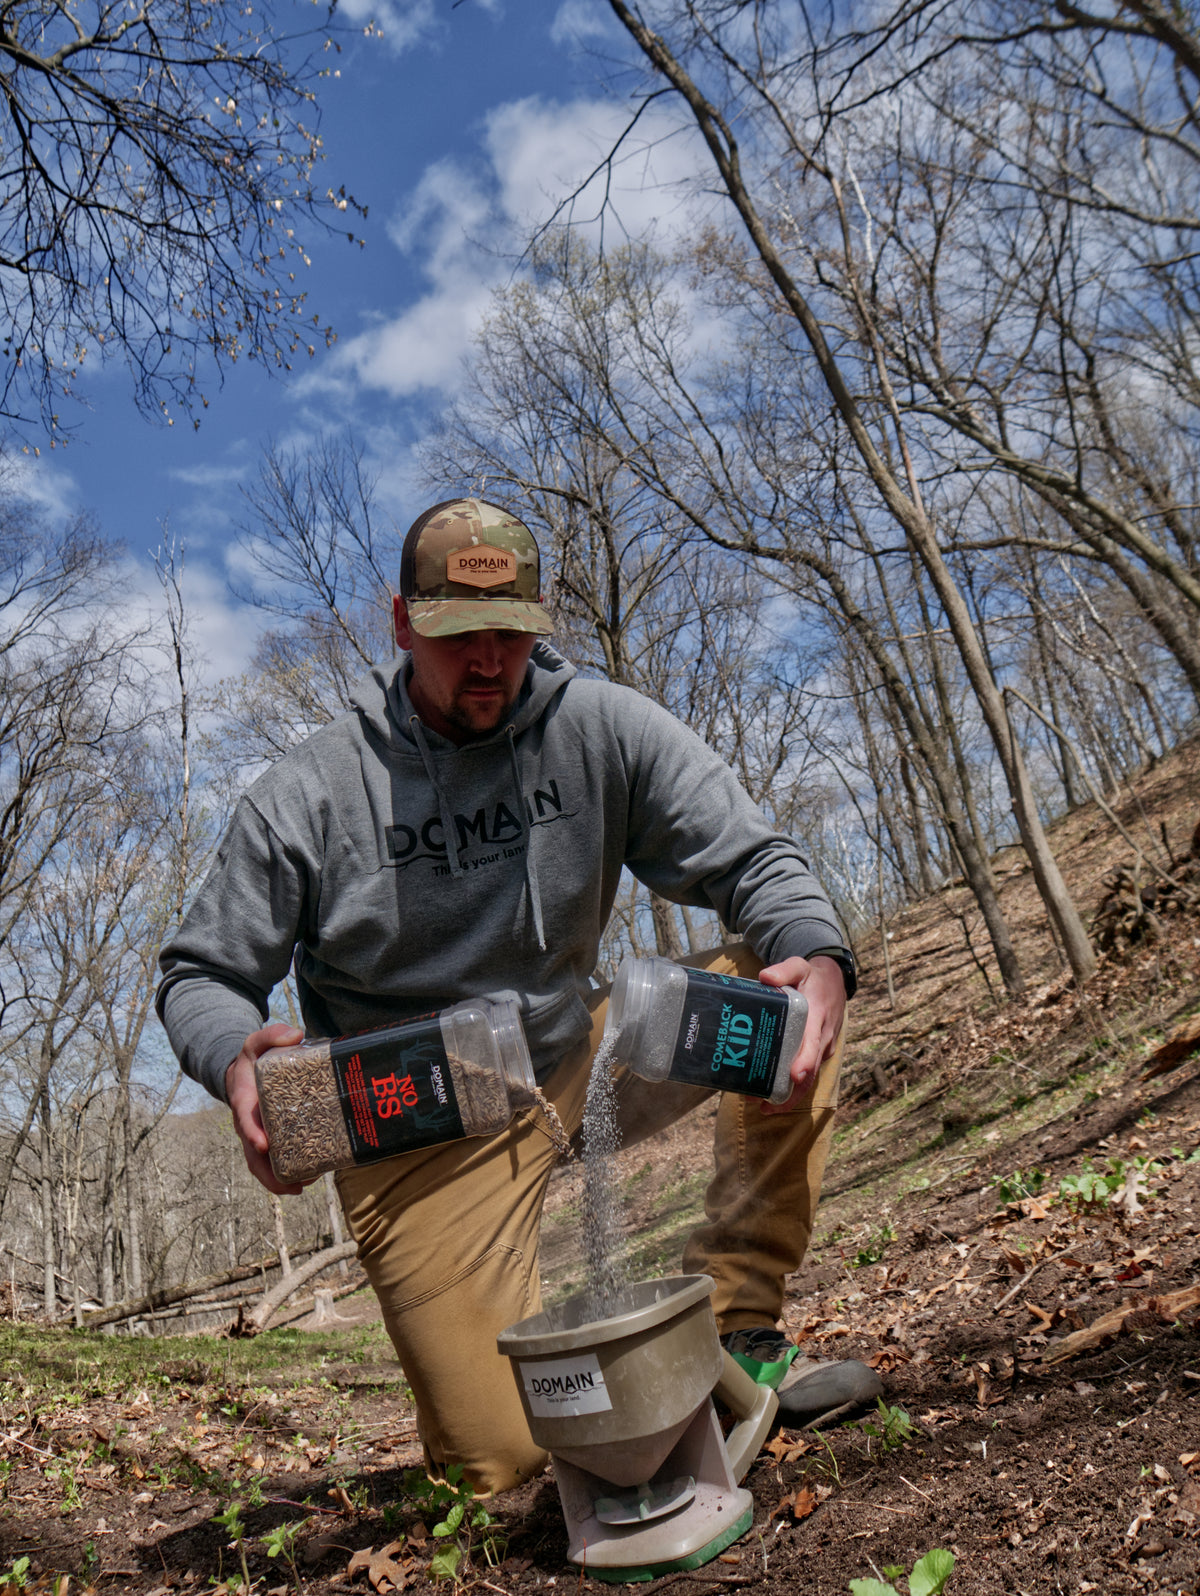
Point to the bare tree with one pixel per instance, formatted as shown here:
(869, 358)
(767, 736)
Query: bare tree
(878, 434)
(156, 159)
(326, 560)
(592, 366)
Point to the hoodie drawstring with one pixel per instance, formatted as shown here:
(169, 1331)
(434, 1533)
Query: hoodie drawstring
(448, 828)
(531, 878)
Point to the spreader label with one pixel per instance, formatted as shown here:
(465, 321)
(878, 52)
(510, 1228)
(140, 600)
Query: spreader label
(562, 1387)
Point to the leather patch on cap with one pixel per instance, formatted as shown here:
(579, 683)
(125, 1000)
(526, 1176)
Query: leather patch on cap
(480, 565)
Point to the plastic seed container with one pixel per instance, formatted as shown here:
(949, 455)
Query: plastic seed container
(330, 1104)
(669, 1023)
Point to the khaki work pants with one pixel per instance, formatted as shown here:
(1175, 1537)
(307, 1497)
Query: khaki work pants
(449, 1238)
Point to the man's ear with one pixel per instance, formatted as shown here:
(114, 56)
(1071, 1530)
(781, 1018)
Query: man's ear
(400, 623)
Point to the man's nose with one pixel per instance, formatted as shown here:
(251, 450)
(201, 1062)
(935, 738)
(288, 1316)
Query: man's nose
(485, 654)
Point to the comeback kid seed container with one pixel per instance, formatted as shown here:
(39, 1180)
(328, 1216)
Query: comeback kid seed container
(669, 1023)
(357, 1099)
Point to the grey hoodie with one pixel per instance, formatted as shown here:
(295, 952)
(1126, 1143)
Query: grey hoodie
(404, 873)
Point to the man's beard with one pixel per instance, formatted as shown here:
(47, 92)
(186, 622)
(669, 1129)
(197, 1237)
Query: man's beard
(465, 719)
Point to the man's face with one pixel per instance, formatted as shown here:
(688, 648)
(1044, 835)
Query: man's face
(463, 686)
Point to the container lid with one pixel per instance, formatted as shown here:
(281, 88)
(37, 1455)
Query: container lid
(629, 1006)
(505, 1016)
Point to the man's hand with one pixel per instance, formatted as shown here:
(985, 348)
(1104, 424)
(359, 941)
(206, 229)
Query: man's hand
(241, 1090)
(820, 980)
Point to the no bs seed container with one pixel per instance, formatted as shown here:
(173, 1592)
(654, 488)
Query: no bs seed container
(328, 1105)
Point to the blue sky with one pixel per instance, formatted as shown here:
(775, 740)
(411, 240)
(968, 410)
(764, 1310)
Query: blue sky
(459, 128)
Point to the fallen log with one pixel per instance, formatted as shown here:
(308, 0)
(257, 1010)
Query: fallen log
(133, 1307)
(1130, 1316)
(250, 1324)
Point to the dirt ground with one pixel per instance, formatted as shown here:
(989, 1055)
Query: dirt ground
(1009, 1235)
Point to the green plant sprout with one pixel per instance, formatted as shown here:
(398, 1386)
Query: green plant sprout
(231, 1521)
(1020, 1184)
(16, 1576)
(876, 1244)
(72, 1497)
(928, 1578)
(1119, 1181)
(893, 1429)
(281, 1542)
(454, 1497)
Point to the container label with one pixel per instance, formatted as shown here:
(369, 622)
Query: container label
(562, 1387)
(396, 1091)
(730, 1035)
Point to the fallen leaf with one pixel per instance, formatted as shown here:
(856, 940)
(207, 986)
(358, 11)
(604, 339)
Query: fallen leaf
(799, 1505)
(889, 1358)
(1178, 1045)
(786, 1449)
(1132, 1271)
(342, 1498)
(384, 1572)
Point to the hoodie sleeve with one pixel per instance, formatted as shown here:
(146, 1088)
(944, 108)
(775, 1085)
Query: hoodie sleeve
(696, 837)
(234, 946)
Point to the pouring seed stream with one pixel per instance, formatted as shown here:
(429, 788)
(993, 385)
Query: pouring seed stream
(605, 1273)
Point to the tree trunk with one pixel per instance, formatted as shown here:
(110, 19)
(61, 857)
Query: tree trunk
(260, 1315)
(46, 1193)
(334, 1209)
(905, 507)
(285, 1262)
(667, 940)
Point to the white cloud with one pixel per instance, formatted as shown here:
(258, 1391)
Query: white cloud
(40, 481)
(424, 347)
(403, 23)
(221, 631)
(540, 152)
(215, 474)
(447, 206)
(468, 225)
(577, 21)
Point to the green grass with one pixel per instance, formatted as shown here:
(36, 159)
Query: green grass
(67, 1363)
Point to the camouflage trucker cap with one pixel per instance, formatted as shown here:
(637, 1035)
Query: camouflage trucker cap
(468, 566)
